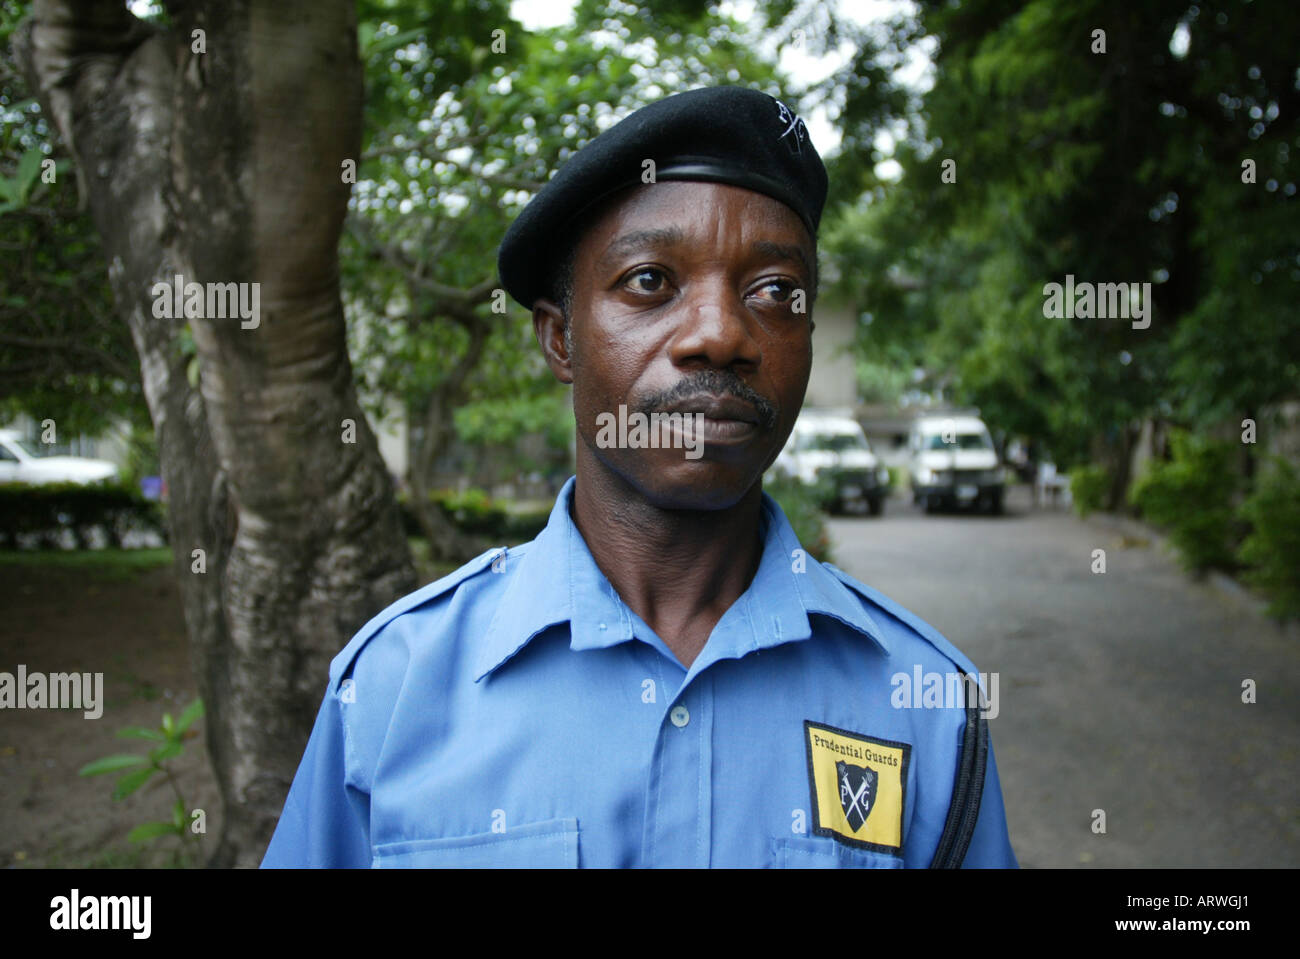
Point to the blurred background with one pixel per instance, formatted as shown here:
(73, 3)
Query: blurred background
(1104, 512)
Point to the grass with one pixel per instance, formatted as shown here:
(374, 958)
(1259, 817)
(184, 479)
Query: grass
(123, 565)
(101, 565)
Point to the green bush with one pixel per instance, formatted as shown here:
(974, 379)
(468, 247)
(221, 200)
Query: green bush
(524, 526)
(477, 514)
(44, 511)
(141, 456)
(1088, 488)
(473, 511)
(1272, 550)
(1191, 496)
(803, 506)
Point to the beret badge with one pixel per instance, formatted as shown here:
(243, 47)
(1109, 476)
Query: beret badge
(794, 132)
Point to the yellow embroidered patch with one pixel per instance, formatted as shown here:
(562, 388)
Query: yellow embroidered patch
(858, 787)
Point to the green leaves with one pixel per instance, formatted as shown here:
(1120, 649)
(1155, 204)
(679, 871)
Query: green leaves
(457, 139)
(140, 732)
(15, 190)
(1192, 496)
(66, 353)
(151, 830)
(191, 712)
(1270, 550)
(129, 783)
(1117, 167)
(111, 764)
(136, 770)
(373, 44)
(164, 753)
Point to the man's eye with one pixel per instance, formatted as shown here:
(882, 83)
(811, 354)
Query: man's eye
(646, 280)
(778, 291)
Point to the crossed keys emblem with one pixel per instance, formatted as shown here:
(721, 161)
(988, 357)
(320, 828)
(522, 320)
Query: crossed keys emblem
(857, 792)
(793, 125)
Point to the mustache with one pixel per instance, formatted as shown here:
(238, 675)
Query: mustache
(715, 383)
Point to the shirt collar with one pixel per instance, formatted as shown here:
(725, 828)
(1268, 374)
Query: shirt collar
(557, 581)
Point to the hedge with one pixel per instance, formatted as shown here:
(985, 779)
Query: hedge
(1191, 495)
(42, 512)
(475, 513)
(1272, 550)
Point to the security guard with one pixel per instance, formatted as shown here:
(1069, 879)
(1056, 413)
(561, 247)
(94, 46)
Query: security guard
(663, 677)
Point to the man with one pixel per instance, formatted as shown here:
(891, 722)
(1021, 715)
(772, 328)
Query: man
(662, 677)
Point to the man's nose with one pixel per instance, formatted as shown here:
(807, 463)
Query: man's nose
(716, 330)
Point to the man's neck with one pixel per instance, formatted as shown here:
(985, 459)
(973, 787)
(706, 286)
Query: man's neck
(679, 570)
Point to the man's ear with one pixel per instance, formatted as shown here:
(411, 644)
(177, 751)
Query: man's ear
(548, 325)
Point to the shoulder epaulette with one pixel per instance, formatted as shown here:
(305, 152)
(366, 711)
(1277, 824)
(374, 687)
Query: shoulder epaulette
(341, 663)
(920, 626)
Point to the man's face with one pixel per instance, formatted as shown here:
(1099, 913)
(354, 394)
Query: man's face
(684, 300)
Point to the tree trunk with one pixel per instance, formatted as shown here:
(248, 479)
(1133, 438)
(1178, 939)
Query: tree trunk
(223, 166)
(446, 542)
(1121, 458)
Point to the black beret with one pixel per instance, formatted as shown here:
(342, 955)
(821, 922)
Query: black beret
(718, 134)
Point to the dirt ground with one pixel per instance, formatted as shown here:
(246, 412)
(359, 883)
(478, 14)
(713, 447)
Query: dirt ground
(129, 626)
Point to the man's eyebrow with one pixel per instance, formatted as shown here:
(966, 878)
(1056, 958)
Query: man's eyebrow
(641, 238)
(784, 251)
(668, 236)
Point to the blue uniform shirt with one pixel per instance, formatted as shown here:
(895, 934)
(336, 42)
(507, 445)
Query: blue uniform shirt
(518, 713)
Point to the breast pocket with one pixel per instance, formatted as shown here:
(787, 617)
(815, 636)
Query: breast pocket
(552, 844)
(815, 852)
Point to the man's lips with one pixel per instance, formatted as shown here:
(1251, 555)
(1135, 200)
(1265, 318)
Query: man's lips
(726, 418)
(718, 408)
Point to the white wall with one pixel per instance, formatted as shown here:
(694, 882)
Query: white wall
(834, 379)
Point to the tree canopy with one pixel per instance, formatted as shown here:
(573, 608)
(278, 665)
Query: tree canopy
(1108, 141)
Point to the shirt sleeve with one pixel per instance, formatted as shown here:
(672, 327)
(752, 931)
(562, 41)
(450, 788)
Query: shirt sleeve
(326, 820)
(990, 845)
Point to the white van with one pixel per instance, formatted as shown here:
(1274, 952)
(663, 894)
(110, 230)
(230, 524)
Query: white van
(953, 462)
(830, 446)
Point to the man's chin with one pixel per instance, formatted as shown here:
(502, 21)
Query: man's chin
(693, 485)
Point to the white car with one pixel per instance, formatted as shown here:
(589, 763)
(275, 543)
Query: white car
(831, 447)
(954, 463)
(25, 462)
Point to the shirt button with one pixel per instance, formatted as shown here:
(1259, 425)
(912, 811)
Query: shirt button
(680, 716)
